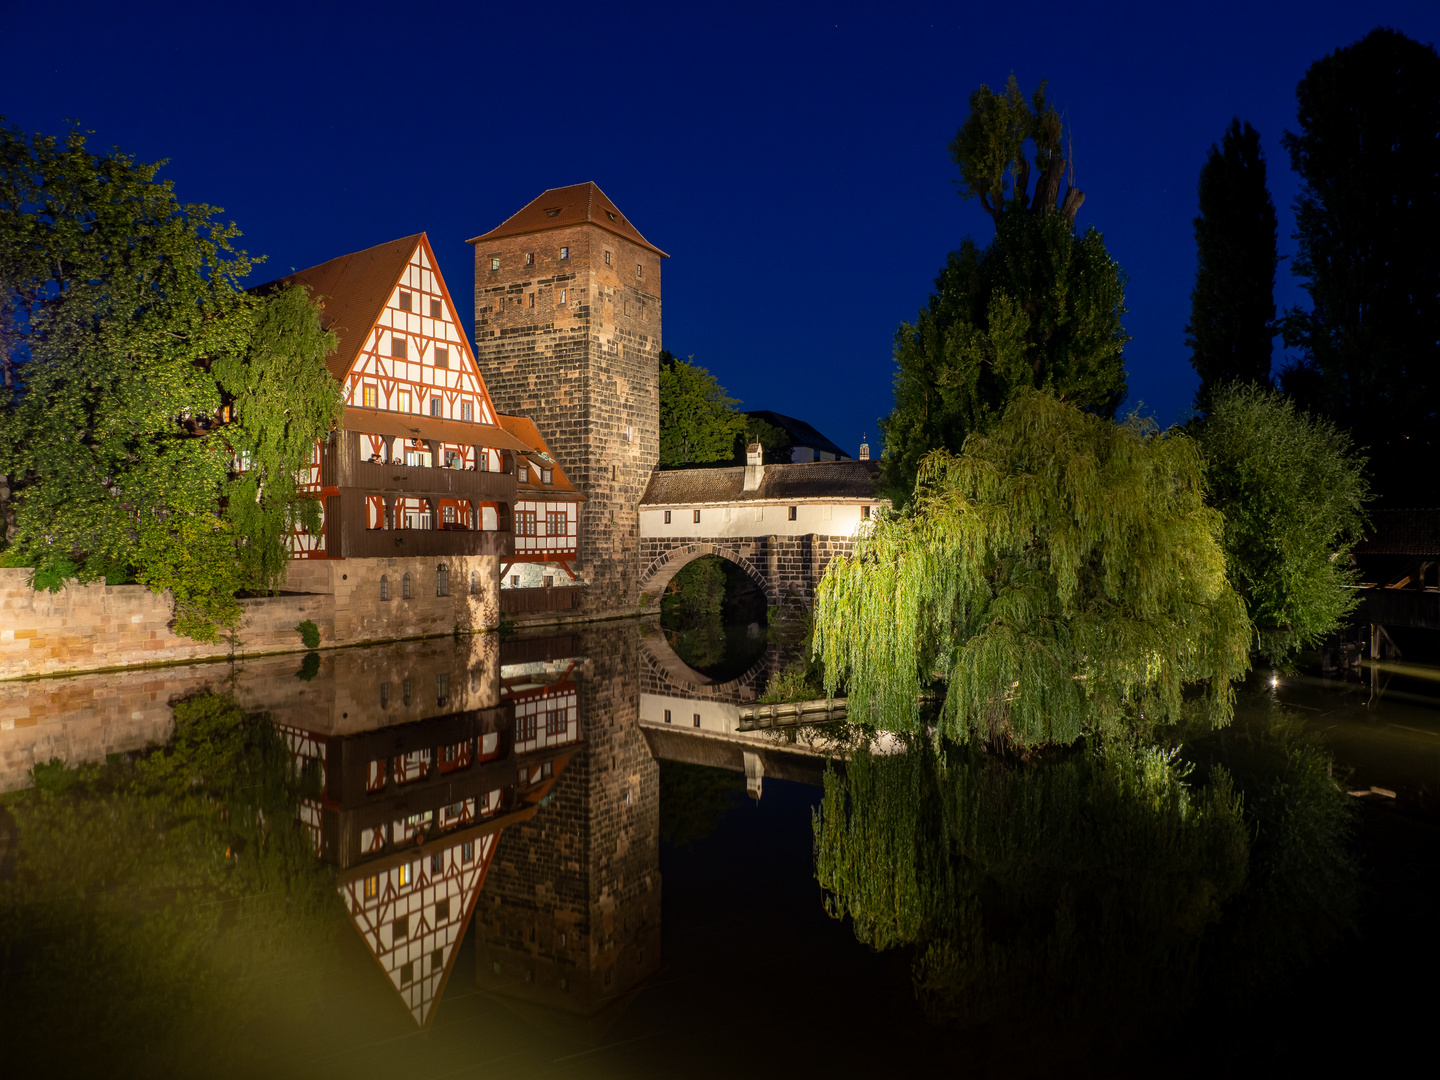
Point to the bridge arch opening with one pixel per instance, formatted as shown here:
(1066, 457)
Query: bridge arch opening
(714, 613)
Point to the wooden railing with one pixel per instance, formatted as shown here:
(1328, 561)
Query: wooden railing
(346, 535)
(342, 467)
(555, 598)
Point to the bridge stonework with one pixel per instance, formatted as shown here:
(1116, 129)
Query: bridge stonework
(787, 568)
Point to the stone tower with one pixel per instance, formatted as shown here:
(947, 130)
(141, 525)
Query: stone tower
(567, 333)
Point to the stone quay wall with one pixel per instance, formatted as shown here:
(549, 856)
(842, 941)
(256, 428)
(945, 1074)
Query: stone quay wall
(87, 627)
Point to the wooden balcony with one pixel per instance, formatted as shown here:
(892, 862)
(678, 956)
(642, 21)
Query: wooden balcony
(555, 598)
(341, 466)
(346, 536)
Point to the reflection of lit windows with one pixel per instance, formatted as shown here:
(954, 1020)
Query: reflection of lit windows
(372, 887)
(402, 874)
(525, 728)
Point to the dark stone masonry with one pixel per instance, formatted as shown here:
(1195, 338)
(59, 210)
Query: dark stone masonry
(788, 568)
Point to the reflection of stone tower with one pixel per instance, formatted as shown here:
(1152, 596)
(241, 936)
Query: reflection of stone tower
(570, 913)
(567, 333)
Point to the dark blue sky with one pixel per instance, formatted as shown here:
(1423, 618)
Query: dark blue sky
(792, 161)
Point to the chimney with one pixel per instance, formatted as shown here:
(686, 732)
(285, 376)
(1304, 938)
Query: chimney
(864, 451)
(754, 466)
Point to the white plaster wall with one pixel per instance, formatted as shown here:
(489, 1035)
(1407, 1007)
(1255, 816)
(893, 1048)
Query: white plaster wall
(824, 518)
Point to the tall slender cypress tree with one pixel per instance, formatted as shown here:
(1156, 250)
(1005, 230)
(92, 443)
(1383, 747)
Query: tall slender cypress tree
(1232, 308)
(1368, 232)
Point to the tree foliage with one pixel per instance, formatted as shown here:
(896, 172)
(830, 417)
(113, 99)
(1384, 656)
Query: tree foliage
(124, 330)
(1232, 308)
(698, 422)
(1368, 234)
(1039, 308)
(1061, 575)
(1292, 490)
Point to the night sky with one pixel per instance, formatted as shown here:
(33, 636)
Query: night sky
(792, 161)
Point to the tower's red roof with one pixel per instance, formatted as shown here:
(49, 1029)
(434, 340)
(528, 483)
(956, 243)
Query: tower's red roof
(577, 204)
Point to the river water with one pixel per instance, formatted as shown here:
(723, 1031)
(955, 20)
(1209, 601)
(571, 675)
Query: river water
(563, 856)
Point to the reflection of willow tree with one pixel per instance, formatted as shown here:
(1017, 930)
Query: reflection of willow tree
(159, 902)
(1087, 886)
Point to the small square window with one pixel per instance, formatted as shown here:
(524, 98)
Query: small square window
(370, 397)
(564, 252)
(639, 271)
(437, 863)
(494, 262)
(404, 301)
(437, 960)
(607, 258)
(467, 410)
(522, 473)
(407, 973)
(434, 406)
(864, 513)
(667, 716)
(697, 719)
(529, 258)
(697, 517)
(437, 309)
(515, 581)
(667, 517)
(442, 357)
(442, 910)
(400, 928)
(545, 475)
(467, 851)
(402, 401)
(793, 511)
(372, 887)
(398, 347)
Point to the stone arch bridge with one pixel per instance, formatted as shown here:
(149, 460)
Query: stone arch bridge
(781, 524)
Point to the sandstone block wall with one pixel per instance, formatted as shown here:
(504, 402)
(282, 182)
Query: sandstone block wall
(586, 372)
(84, 627)
(574, 894)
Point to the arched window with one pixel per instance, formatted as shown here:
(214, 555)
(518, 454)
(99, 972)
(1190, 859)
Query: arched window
(474, 582)
(384, 587)
(442, 581)
(405, 587)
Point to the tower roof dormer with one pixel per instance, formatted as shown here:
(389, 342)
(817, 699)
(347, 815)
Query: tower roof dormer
(559, 207)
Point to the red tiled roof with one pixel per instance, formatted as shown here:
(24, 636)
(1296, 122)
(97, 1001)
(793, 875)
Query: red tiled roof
(574, 205)
(353, 289)
(524, 430)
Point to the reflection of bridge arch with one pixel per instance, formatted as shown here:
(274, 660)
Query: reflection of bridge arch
(669, 562)
(663, 672)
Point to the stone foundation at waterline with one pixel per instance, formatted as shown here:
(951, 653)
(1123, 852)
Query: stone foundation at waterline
(84, 627)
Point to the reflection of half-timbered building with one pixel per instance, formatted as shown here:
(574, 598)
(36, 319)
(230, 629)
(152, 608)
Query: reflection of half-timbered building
(414, 790)
(547, 523)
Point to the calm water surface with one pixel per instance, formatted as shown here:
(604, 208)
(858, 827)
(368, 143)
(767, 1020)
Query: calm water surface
(557, 856)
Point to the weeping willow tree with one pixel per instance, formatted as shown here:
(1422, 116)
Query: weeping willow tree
(1061, 575)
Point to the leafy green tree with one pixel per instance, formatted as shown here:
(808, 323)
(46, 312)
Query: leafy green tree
(698, 422)
(1061, 576)
(1292, 490)
(1368, 234)
(1232, 308)
(125, 331)
(1039, 308)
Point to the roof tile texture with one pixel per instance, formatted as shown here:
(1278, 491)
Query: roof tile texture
(557, 208)
(804, 480)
